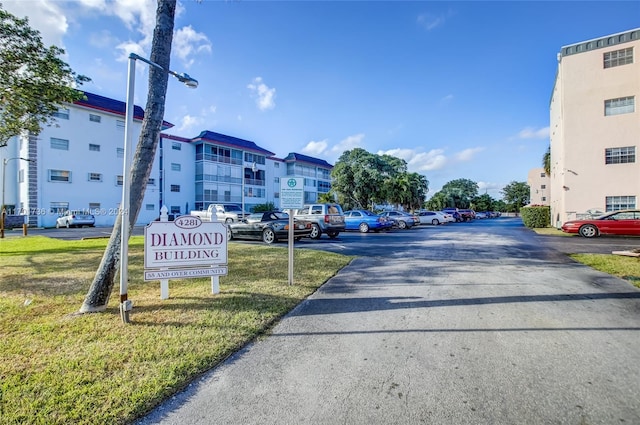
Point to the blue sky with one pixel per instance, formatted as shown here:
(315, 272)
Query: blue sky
(457, 89)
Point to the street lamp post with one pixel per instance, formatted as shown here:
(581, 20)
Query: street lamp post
(4, 183)
(125, 304)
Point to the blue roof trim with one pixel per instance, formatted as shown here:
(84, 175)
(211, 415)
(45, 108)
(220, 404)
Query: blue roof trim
(304, 158)
(106, 104)
(211, 136)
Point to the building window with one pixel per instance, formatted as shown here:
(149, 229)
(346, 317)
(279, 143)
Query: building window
(95, 118)
(618, 57)
(62, 113)
(620, 155)
(176, 146)
(151, 182)
(95, 177)
(615, 203)
(149, 207)
(119, 181)
(58, 207)
(174, 209)
(94, 207)
(21, 176)
(276, 179)
(544, 198)
(276, 165)
(258, 159)
(120, 152)
(175, 188)
(120, 124)
(94, 147)
(60, 176)
(543, 186)
(61, 144)
(543, 174)
(621, 105)
(175, 167)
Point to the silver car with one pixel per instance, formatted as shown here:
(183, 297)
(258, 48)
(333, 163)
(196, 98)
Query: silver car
(75, 218)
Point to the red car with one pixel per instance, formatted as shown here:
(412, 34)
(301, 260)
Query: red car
(624, 222)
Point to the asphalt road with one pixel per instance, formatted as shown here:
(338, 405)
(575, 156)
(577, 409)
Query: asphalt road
(480, 323)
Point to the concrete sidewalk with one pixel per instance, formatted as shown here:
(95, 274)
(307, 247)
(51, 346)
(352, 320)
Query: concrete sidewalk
(510, 335)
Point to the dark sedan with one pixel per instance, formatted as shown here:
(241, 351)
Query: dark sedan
(269, 227)
(624, 222)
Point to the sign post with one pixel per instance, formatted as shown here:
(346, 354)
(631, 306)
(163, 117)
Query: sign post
(291, 198)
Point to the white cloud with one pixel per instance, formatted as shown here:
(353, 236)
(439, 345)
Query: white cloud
(44, 16)
(468, 154)
(447, 98)
(315, 148)
(188, 122)
(265, 96)
(533, 133)
(187, 42)
(418, 161)
(430, 22)
(348, 143)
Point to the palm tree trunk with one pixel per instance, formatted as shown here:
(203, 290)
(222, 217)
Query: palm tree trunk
(98, 296)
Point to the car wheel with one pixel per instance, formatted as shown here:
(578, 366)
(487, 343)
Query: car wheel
(364, 227)
(589, 231)
(435, 222)
(333, 235)
(402, 224)
(229, 234)
(228, 221)
(268, 236)
(315, 232)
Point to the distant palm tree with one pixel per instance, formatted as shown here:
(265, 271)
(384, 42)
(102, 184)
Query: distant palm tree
(546, 161)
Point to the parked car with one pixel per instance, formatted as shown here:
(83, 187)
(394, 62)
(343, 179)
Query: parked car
(325, 218)
(467, 214)
(481, 215)
(457, 217)
(226, 213)
(433, 217)
(75, 218)
(269, 227)
(400, 219)
(624, 222)
(365, 220)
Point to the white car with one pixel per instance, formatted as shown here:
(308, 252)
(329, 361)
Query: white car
(434, 217)
(75, 218)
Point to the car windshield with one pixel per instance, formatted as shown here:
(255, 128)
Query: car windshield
(281, 215)
(233, 208)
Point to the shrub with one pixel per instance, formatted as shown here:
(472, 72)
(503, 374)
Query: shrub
(536, 216)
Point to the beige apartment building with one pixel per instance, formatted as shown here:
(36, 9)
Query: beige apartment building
(539, 187)
(595, 127)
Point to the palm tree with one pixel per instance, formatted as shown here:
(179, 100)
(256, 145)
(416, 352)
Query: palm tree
(546, 161)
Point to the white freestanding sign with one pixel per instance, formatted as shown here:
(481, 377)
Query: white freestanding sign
(291, 193)
(291, 198)
(184, 248)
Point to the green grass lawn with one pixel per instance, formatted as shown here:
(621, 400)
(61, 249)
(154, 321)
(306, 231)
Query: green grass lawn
(60, 367)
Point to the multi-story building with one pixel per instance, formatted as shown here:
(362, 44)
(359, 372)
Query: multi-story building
(78, 164)
(539, 186)
(595, 127)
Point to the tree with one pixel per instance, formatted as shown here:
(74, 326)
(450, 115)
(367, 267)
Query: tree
(546, 161)
(98, 296)
(34, 81)
(358, 178)
(516, 195)
(461, 191)
(483, 202)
